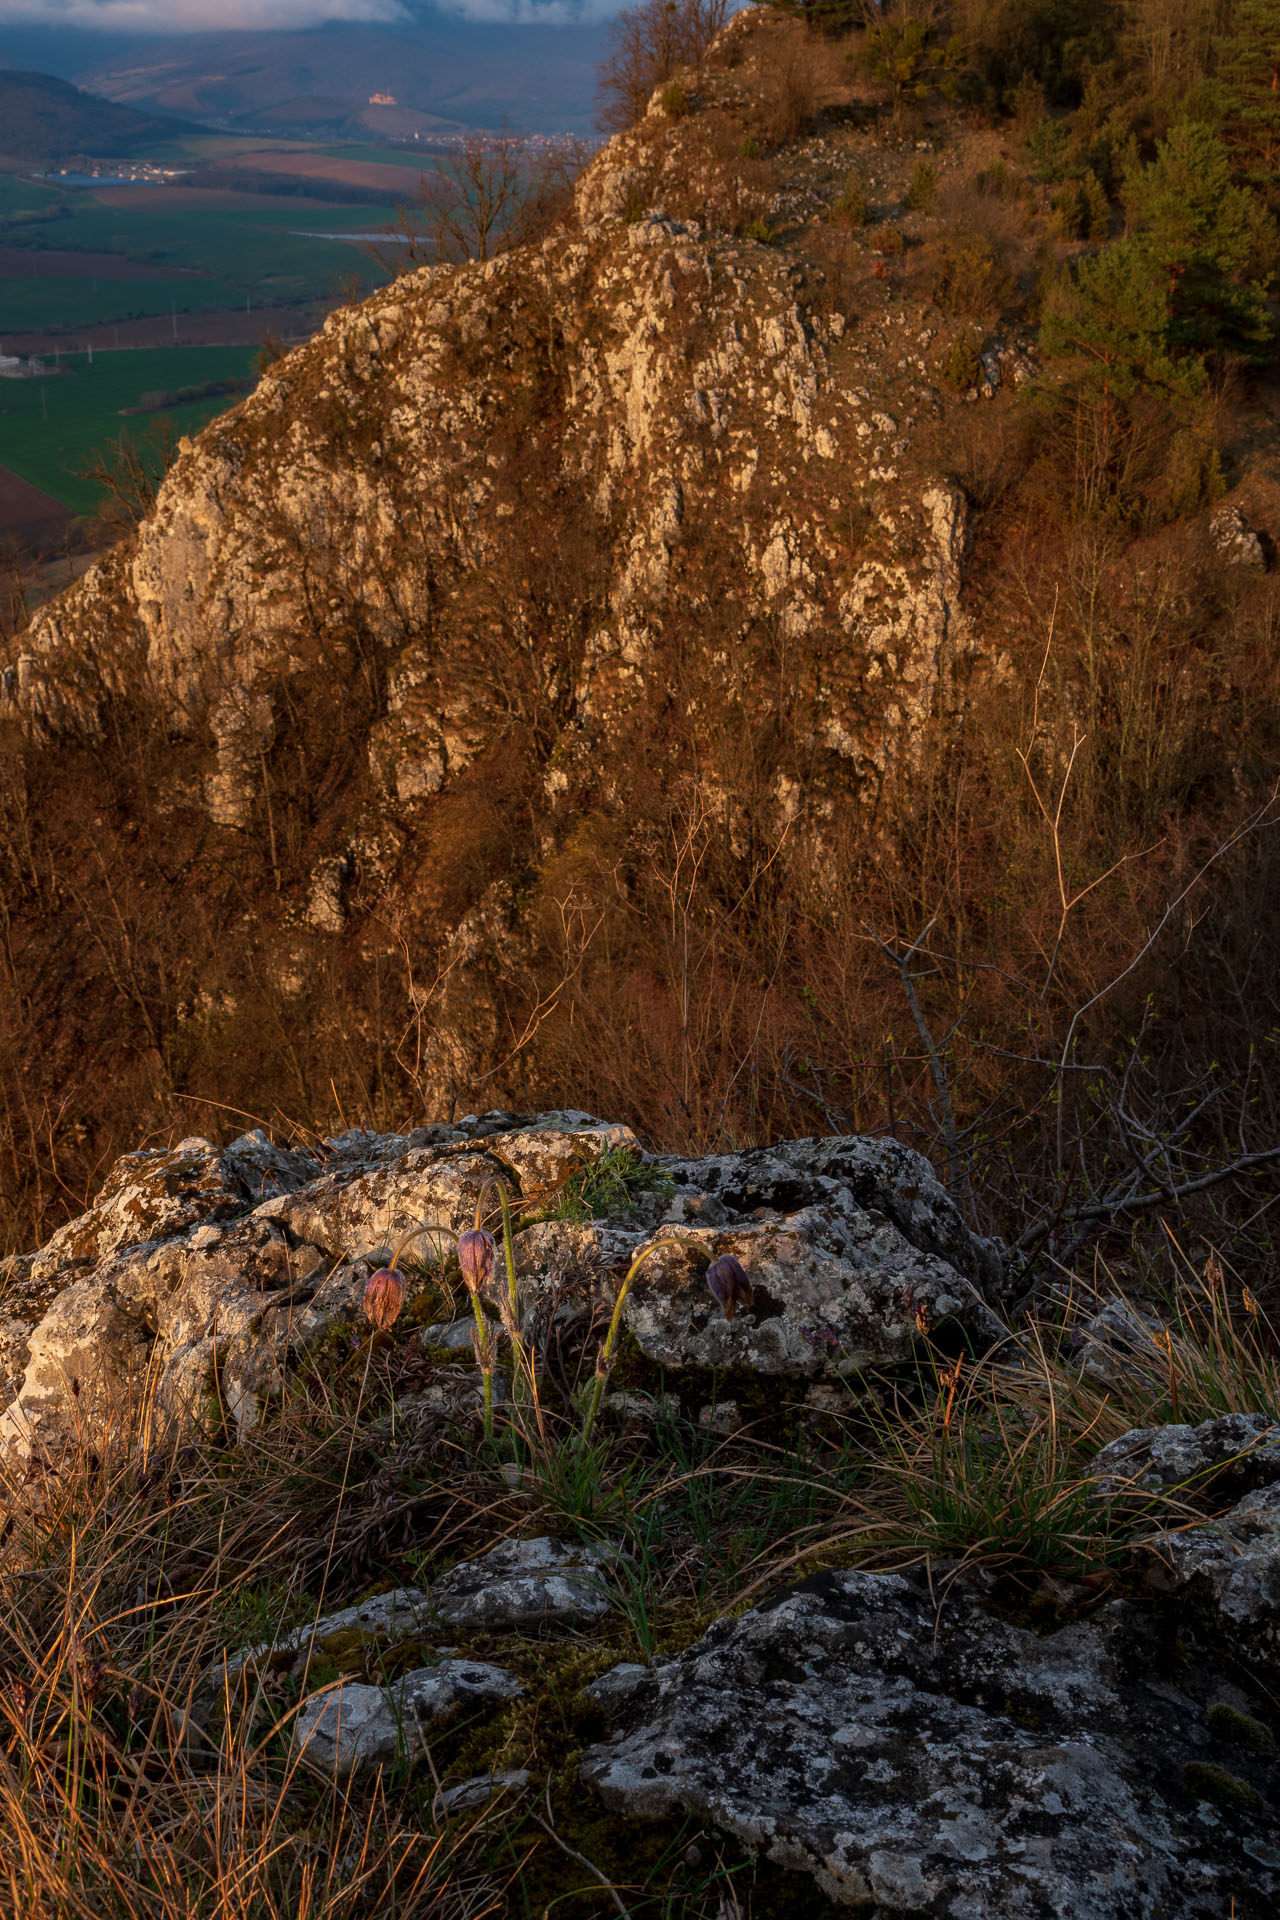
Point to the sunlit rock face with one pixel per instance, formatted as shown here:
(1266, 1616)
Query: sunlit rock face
(190, 1291)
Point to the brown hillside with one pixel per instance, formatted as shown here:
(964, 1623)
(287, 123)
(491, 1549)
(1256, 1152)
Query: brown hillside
(665, 668)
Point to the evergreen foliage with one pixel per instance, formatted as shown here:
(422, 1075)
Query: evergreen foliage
(1248, 66)
(1196, 231)
(1110, 317)
(914, 60)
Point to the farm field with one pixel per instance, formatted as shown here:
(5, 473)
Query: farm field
(38, 302)
(50, 428)
(411, 159)
(158, 286)
(381, 175)
(267, 252)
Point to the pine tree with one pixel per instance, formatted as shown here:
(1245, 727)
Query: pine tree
(1111, 318)
(1198, 231)
(1248, 59)
(1095, 209)
(916, 64)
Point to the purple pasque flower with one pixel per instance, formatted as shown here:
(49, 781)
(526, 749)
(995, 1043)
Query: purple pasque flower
(728, 1281)
(477, 1254)
(383, 1297)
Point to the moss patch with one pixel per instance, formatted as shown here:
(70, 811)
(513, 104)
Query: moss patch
(1220, 1788)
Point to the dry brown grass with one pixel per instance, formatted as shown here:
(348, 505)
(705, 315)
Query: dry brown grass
(126, 1570)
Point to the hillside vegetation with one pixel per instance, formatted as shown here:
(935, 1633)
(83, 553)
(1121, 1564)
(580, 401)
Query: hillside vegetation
(45, 119)
(794, 648)
(783, 646)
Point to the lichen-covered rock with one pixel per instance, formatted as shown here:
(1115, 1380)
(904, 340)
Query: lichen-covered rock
(24, 1301)
(525, 1584)
(876, 1175)
(1223, 1571)
(924, 1758)
(469, 1795)
(852, 1246)
(362, 1211)
(834, 1292)
(354, 1728)
(200, 1327)
(1227, 1571)
(353, 1640)
(522, 1585)
(154, 1193)
(1236, 1452)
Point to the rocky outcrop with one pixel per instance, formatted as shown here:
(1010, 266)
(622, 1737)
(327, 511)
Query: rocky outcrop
(685, 367)
(923, 1756)
(1224, 1570)
(581, 491)
(183, 1292)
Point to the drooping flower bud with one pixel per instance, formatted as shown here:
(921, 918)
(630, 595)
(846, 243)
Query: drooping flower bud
(728, 1281)
(477, 1253)
(383, 1297)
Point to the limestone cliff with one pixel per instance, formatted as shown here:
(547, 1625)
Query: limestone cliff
(522, 599)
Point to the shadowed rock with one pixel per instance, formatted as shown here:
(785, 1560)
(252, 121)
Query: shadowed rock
(919, 1758)
(354, 1728)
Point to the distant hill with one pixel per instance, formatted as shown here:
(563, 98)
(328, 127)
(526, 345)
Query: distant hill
(45, 119)
(443, 71)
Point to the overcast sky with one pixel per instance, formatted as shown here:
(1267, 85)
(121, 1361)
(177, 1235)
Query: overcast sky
(192, 16)
(205, 16)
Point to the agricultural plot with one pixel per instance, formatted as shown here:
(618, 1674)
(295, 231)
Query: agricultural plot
(218, 257)
(123, 269)
(36, 302)
(50, 429)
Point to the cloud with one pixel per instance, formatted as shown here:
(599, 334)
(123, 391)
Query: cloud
(533, 13)
(193, 16)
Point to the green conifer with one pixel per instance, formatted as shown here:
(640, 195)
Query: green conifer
(1197, 231)
(1248, 62)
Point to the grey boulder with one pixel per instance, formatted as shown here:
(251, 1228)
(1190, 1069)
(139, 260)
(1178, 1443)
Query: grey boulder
(1224, 1571)
(525, 1584)
(1237, 1450)
(188, 1294)
(852, 1246)
(353, 1728)
(923, 1758)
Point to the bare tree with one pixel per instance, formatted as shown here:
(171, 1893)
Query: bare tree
(495, 192)
(647, 44)
(130, 473)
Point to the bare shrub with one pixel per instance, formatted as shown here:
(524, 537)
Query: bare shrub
(496, 191)
(130, 472)
(971, 277)
(648, 44)
(791, 92)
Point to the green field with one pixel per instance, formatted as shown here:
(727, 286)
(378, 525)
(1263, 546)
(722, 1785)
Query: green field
(218, 259)
(270, 256)
(410, 158)
(35, 302)
(50, 428)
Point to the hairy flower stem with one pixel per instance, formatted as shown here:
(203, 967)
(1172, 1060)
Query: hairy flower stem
(484, 1360)
(522, 1359)
(605, 1363)
(418, 1233)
